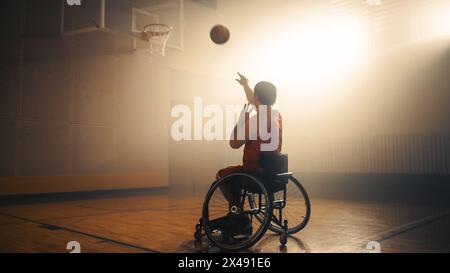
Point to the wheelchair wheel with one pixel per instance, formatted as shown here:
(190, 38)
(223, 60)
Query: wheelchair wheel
(293, 203)
(233, 227)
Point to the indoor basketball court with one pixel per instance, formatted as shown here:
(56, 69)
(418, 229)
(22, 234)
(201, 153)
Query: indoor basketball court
(116, 117)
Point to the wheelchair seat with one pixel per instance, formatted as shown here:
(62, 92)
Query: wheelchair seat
(274, 173)
(272, 166)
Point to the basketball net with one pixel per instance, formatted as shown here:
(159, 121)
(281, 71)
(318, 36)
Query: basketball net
(157, 35)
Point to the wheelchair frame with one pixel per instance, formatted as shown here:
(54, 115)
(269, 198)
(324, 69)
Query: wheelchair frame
(279, 205)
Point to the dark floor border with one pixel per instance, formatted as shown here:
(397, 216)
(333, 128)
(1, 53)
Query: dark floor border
(74, 196)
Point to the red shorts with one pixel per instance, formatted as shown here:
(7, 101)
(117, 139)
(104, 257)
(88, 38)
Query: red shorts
(236, 169)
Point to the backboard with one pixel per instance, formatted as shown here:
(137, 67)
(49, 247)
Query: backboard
(125, 18)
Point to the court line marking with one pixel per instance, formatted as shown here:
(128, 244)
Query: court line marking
(109, 212)
(390, 233)
(85, 234)
(113, 210)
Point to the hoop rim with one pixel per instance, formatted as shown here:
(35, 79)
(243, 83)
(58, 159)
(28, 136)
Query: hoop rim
(157, 35)
(168, 29)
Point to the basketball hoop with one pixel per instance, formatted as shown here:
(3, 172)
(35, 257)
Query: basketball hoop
(157, 35)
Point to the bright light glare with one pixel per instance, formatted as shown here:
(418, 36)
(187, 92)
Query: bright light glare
(313, 56)
(439, 19)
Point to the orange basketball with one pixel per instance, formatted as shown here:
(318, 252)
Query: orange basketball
(219, 34)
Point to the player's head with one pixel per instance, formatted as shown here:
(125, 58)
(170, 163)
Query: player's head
(265, 93)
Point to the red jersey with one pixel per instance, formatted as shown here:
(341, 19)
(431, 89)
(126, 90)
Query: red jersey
(252, 148)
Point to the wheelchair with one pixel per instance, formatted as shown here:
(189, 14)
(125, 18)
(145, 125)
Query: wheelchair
(274, 200)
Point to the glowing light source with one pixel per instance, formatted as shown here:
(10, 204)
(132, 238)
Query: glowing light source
(437, 19)
(309, 58)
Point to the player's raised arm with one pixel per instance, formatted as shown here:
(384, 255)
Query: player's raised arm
(248, 91)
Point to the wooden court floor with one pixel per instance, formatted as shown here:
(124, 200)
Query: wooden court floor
(165, 223)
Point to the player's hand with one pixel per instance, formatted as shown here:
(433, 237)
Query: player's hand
(242, 80)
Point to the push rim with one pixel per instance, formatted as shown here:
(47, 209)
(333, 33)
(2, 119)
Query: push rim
(216, 206)
(297, 208)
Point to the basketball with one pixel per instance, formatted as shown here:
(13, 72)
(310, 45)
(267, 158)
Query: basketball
(219, 34)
